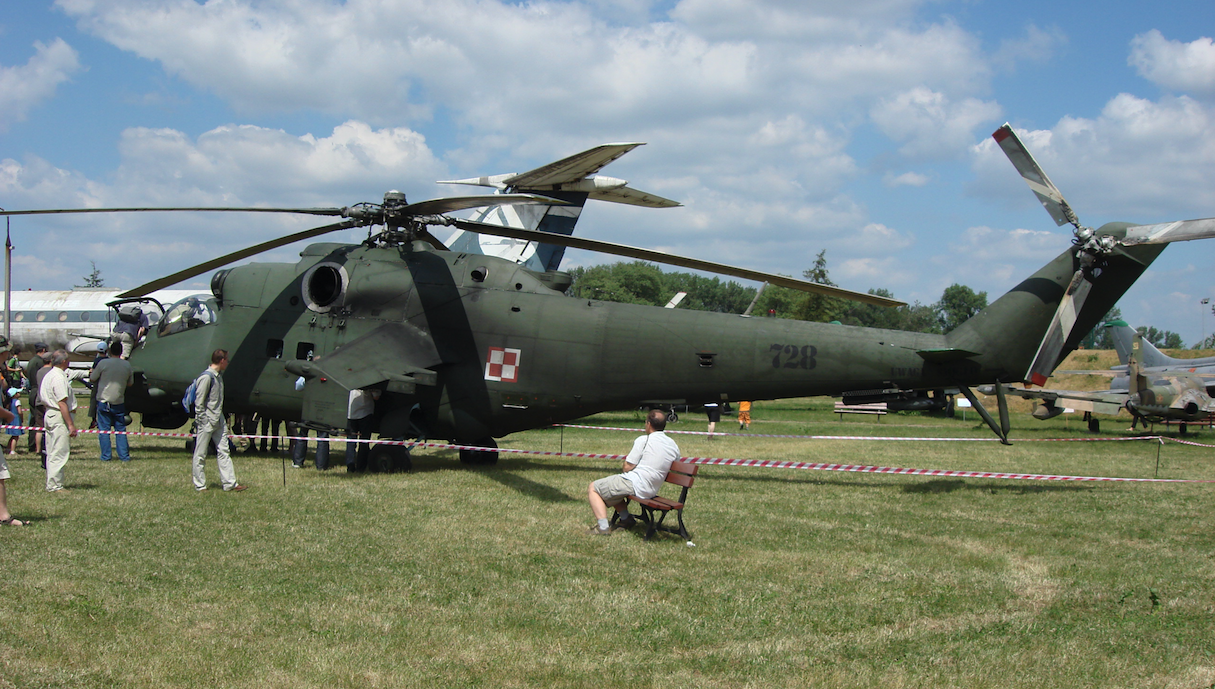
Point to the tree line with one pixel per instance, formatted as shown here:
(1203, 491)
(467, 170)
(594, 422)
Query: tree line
(638, 282)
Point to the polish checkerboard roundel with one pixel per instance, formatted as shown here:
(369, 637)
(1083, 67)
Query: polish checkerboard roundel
(502, 365)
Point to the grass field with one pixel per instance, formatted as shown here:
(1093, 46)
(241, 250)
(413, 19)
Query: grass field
(449, 576)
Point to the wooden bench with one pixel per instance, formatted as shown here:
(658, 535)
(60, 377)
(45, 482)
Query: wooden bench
(878, 408)
(681, 474)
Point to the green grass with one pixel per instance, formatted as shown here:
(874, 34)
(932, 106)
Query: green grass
(449, 576)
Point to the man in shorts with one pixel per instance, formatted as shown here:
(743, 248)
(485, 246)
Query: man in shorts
(645, 468)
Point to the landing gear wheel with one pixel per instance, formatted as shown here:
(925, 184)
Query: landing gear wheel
(1094, 426)
(1184, 429)
(388, 459)
(672, 417)
(480, 457)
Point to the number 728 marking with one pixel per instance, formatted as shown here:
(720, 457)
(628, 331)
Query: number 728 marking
(793, 356)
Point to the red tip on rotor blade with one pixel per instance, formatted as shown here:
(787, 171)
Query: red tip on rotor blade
(1000, 134)
(1037, 379)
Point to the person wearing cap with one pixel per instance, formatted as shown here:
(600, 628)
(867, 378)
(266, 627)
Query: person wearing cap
(111, 377)
(31, 376)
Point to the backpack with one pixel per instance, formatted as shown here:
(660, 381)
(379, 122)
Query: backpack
(188, 400)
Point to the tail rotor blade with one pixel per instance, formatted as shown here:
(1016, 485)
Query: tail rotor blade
(1060, 329)
(1046, 191)
(1163, 233)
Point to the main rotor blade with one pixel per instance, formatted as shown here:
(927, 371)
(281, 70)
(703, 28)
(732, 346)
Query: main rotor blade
(1060, 329)
(148, 288)
(669, 259)
(1163, 233)
(459, 203)
(56, 211)
(1048, 194)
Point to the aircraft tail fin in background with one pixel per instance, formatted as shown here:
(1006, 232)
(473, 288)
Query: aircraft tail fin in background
(571, 180)
(1124, 341)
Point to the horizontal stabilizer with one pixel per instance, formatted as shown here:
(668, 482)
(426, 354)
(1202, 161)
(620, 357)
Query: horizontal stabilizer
(945, 355)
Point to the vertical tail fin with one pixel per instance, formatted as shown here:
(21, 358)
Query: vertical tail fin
(1006, 336)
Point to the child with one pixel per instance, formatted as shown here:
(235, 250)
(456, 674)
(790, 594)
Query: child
(14, 433)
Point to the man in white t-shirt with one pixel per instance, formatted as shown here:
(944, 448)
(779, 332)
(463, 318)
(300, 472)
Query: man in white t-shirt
(56, 393)
(645, 468)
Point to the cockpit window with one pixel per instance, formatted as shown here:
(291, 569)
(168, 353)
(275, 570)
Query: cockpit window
(187, 314)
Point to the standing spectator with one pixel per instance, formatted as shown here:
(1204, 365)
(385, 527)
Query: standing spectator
(31, 378)
(269, 428)
(360, 421)
(111, 377)
(714, 412)
(299, 450)
(39, 376)
(56, 393)
(211, 426)
(6, 517)
(744, 416)
(100, 357)
(15, 432)
(12, 369)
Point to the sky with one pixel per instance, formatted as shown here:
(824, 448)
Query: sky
(785, 127)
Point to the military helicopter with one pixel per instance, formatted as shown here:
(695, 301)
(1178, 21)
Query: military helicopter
(469, 348)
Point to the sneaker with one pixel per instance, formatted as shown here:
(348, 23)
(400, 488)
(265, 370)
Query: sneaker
(296, 466)
(235, 489)
(596, 531)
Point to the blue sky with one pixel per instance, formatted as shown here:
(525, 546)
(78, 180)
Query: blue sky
(784, 127)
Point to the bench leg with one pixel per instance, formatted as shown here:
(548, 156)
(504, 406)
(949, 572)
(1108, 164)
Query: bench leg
(683, 530)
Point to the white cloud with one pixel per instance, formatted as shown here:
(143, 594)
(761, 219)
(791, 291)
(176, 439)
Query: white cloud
(907, 179)
(569, 69)
(1139, 161)
(26, 86)
(227, 166)
(1037, 46)
(930, 123)
(1188, 67)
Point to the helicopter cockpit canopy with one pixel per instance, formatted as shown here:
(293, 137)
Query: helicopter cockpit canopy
(195, 311)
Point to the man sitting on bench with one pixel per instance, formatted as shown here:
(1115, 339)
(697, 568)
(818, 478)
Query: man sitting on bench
(645, 469)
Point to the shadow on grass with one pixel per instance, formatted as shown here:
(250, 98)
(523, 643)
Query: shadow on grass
(952, 485)
(924, 487)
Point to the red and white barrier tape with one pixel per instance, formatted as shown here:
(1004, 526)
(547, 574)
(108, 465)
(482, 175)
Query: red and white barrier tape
(723, 461)
(897, 438)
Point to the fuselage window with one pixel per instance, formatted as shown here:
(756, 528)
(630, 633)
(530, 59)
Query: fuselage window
(274, 349)
(18, 316)
(40, 317)
(84, 315)
(63, 316)
(304, 350)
